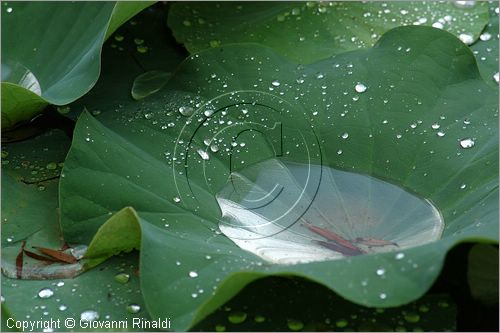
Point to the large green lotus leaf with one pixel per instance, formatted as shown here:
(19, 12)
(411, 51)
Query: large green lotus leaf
(486, 48)
(308, 32)
(58, 59)
(413, 110)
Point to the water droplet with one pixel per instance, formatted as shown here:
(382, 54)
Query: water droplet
(208, 257)
(382, 295)
(440, 134)
(186, 111)
(186, 23)
(496, 77)
(194, 295)
(46, 293)
(208, 113)
(138, 41)
(467, 143)
(177, 199)
(437, 25)
(142, 48)
(87, 139)
(259, 319)
(148, 115)
(133, 308)
(412, 317)
(89, 315)
(214, 148)
(9, 10)
(203, 154)
(193, 274)
(41, 188)
(295, 325)
(237, 317)
(435, 126)
(276, 83)
(464, 4)
(466, 38)
(345, 135)
(360, 88)
(463, 186)
(339, 152)
(119, 38)
(380, 271)
(122, 278)
(423, 308)
(341, 323)
(485, 36)
(60, 283)
(220, 328)
(62, 307)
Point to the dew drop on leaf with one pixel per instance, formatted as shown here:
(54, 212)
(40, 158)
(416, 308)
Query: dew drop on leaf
(89, 315)
(380, 271)
(122, 278)
(46, 293)
(193, 274)
(496, 77)
(412, 317)
(360, 88)
(295, 325)
(237, 317)
(399, 256)
(259, 319)
(133, 308)
(186, 111)
(203, 154)
(467, 39)
(467, 143)
(177, 199)
(341, 323)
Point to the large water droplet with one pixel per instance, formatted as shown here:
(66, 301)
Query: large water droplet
(412, 317)
(467, 39)
(89, 315)
(276, 83)
(399, 256)
(203, 154)
(380, 271)
(465, 4)
(133, 308)
(295, 325)
(46, 293)
(360, 88)
(467, 143)
(485, 36)
(122, 278)
(186, 111)
(345, 135)
(237, 317)
(193, 274)
(341, 323)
